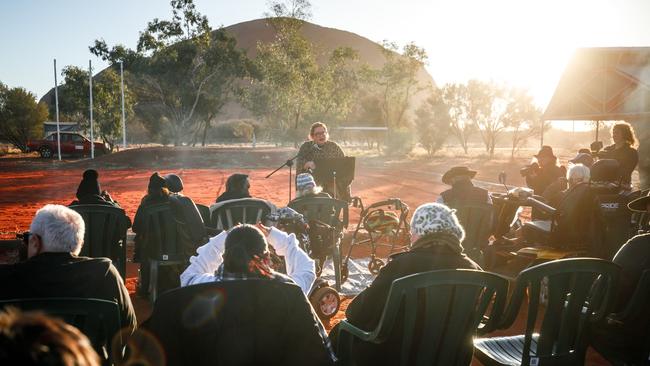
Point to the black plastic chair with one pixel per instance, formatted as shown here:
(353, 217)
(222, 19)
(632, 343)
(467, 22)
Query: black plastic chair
(205, 212)
(624, 328)
(579, 293)
(478, 221)
(105, 235)
(227, 214)
(162, 243)
(98, 319)
(332, 212)
(445, 308)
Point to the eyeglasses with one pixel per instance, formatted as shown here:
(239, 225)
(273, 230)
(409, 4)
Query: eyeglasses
(320, 133)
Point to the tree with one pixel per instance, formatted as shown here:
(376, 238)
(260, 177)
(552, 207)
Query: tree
(181, 66)
(486, 106)
(290, 86)
(396, 81)
(455, 97)
(433, 122)
(522, 118)
(21, 117)
(107, 102)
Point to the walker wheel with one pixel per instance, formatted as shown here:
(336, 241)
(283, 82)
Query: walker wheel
(375, 265)
(326, 302)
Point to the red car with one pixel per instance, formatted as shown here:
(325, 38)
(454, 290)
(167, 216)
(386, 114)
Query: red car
(71, 144)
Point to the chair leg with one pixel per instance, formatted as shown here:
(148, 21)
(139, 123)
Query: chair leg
(153, 281)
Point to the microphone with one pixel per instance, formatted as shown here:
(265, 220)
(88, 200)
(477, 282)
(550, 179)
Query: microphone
(316, 147)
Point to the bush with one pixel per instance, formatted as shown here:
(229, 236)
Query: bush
(399, 142)
(239, 130)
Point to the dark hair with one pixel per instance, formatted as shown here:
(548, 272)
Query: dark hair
(236, 183)
(314, 126)
(33, 338)
(242, 244)
(157, 186)
(626, 131)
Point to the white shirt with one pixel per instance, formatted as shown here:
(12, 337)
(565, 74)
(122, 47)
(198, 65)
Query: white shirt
(300, 267)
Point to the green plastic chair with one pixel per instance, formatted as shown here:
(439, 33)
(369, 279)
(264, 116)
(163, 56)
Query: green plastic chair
(98, 319)
(225, 215)
(579, 293)
(105, 234)
(625, 326)
(162, 243)
(478, 221)
(332, 212)
(453, 305)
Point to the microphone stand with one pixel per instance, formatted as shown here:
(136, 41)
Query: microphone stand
(288, 163)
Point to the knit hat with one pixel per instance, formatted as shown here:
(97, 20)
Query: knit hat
(304, 181)
(89, 184)
(431, 218)
(174, 183)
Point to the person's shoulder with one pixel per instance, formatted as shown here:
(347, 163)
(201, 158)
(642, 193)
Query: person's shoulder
(306, 144)
(100, 263)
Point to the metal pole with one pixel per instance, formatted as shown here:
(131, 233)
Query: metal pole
(541, 141)
(92, 135)
(56, 103)
(123, 115)
(597, 128)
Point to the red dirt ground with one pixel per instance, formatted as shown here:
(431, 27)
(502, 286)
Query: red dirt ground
(28, 184)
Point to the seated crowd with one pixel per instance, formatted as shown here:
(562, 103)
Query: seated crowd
(230, 304)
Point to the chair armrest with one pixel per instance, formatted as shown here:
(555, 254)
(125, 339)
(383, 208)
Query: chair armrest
(345, 325)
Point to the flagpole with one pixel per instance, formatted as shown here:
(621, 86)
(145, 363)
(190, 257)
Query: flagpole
(92, 135)
(56, 103)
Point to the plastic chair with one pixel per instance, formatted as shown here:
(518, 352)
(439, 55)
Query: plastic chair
(579, 292)
(227, 214)
(105, 235)
(445, 308)
(205, 212)
(161, 242)
(98, 319)
(478, 221)
(625, 326)
(332, 212)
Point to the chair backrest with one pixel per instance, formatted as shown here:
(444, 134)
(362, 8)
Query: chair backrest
(445, 309)
(98, 319)
(328, 210)
(105, 234)
(205, 212)
(579, 292)
(615, 221)
(227, 214)
(635, 316)
(161, 235)
(478, 221)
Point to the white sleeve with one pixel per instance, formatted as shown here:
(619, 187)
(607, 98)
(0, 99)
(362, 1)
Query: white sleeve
(300, 267)
(205, 263)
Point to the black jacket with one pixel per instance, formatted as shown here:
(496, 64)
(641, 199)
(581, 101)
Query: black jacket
(576, 219)
(67, 275)
(545, 176)
(93, 199)
(366, 309)
(464, 192)
(627, 156)
(238, 322)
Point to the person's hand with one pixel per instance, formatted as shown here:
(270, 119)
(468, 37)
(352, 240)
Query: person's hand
(309, 165)
(266, 230)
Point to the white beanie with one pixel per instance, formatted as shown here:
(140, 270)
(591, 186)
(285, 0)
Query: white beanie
(305, 181)
(432, 218)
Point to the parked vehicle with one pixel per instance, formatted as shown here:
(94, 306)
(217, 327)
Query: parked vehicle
(72, 143)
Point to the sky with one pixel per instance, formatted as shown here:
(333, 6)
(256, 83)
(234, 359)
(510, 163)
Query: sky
(516, 42)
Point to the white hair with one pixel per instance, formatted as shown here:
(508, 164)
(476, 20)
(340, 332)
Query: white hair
(60, 229)
(314, 190)
(578, 172)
